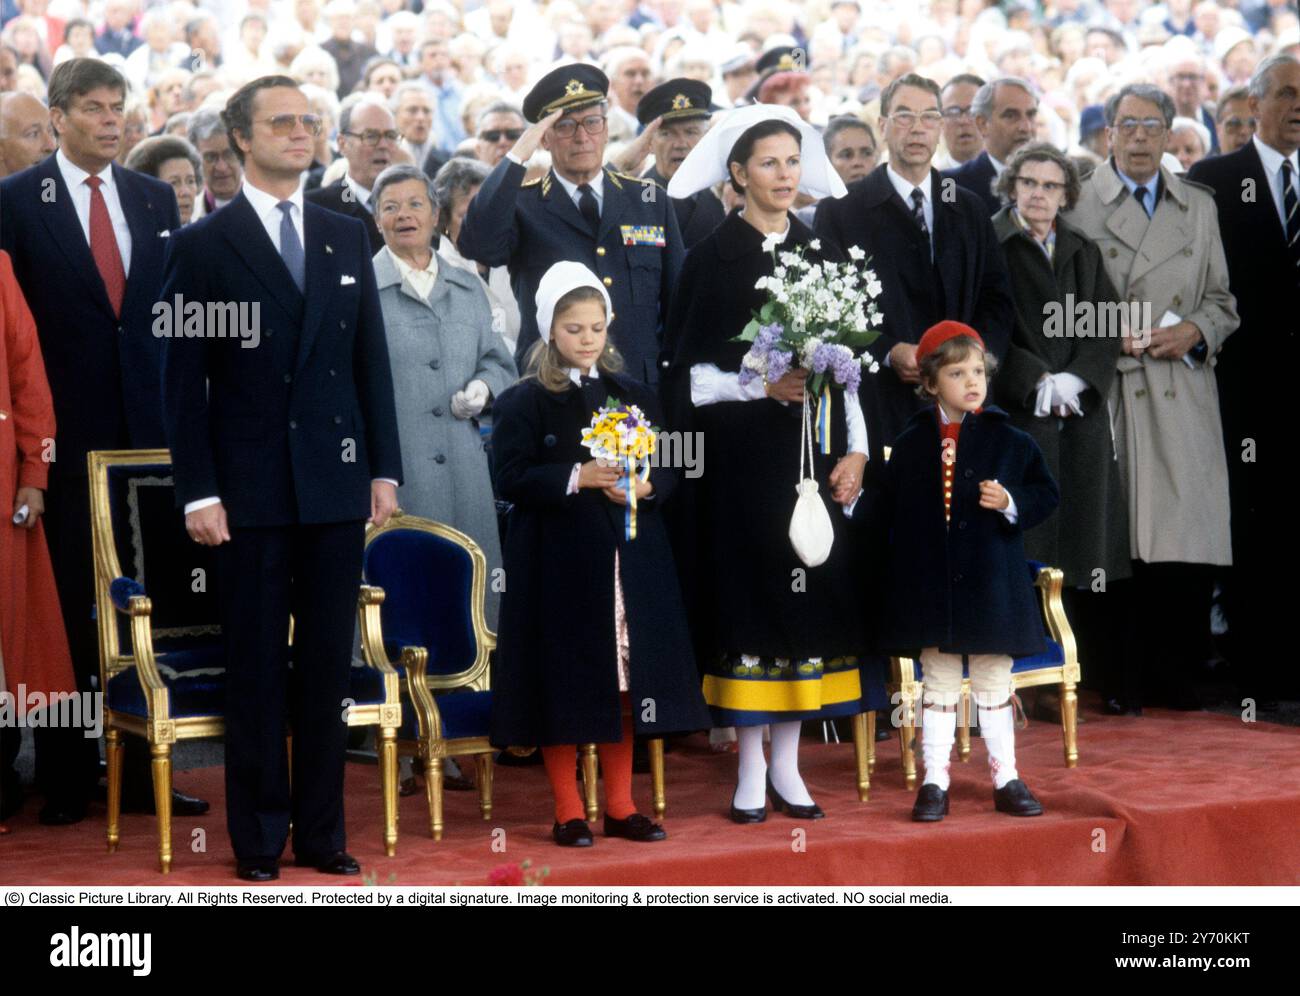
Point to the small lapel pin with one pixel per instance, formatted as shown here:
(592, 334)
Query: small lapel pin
(329, 250)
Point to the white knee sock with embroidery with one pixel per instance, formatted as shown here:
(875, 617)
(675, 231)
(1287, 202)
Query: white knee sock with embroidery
(785, 764)
(999, 729)
(938, 734)
(751, 777)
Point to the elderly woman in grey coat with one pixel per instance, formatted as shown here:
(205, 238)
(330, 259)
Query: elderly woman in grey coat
(448, 363)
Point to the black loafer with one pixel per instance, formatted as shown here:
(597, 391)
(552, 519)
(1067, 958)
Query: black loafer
(931, 804)
(813, 812)
(338, 863)
(182, 805)
(61, 814)
(574, 833)
(258, 870)
(635, 827)
(1015, 798)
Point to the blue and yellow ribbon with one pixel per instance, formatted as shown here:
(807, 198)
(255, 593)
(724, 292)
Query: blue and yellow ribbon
(824, 420)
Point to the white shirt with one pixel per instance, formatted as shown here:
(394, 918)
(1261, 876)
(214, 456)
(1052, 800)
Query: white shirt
(1272, 160)
(360, 193)
(597, 185)
(421, 281)
(997, 166)
(75, 177)
(267, 208)
(1011, 512)
(905, 188)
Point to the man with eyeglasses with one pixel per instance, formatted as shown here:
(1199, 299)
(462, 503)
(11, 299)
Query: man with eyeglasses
(500, 126)
(1006, 112)
(1261, 239)
(929, 241)
(222, 172)
(960, 136)
(368, 136)
(1161, 246)
(280, 453)
(1186, 85)
(623, 228)
(1234, 124)
(87, 237)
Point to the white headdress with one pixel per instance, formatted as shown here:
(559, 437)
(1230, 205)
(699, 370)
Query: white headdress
(561, 278)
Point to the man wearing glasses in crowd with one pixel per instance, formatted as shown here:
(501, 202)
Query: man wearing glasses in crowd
(929, 241)
(621, 227)
(960, 136)
(280, 454)
(368, 137)
(222, 173)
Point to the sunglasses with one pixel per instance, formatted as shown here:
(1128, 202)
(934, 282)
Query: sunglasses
(282, 124)
(496, 134)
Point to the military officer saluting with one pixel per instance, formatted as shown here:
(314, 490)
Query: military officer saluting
(621, 227)
(675, 116)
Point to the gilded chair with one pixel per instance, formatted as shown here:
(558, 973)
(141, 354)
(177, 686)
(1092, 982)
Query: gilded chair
(587, 755)
(1057, 665)
(422, 620)
(875, 696)
(160, 657)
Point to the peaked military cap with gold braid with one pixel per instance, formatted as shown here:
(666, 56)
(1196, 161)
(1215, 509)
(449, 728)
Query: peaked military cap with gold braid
(676, 100)
(566, 88)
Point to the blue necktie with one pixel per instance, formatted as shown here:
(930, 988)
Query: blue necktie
(291, 248)
(1141, 194)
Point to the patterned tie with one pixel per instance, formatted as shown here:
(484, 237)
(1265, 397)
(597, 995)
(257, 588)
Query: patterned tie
(291, 248)
(918, 214)
(1141, 194)
(589, 208)
(1289, 208)
(103, 246)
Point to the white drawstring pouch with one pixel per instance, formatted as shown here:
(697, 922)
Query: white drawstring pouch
(811, 532)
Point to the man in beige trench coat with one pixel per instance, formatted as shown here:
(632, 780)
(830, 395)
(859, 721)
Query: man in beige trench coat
(1159, 240)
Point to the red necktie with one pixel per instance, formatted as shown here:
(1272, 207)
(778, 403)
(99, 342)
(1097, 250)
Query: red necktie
(103, 246)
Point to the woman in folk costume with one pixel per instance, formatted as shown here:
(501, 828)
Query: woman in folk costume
(34, 656)
(778, 641)
(960, 488)
(593, 646)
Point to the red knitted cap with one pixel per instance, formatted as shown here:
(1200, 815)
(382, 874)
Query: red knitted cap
(936, 335)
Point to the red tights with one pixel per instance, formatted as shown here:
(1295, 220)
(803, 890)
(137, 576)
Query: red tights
(615, 767)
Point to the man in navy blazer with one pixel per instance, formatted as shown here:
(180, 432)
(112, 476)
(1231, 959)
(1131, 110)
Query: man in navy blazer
(284, 441)
(1260, 227)
(87, 239)
(1006, 114)
(931, 244)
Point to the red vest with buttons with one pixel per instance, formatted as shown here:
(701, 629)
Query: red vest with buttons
(948, 457)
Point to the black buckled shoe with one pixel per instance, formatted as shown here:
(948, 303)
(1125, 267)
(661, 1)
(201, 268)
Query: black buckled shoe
(574, 833)
(931, 804)
(258, 870)
(813, 812)
(338, 863)
(636, 827)
(1015, 798)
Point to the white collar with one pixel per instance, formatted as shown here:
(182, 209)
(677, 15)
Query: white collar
(997, 166)
(1272, 159)
(905, 187)
(576, 375)
(74, 176)
(265, 204)
(943, 415)
(597, 184)
(403, 267)
(362, 194)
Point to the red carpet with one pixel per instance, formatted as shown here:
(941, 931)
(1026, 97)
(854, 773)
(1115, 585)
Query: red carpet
(1167, 799)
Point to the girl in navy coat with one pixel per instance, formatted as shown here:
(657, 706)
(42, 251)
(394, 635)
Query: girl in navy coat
(593, 646)
(960, 487)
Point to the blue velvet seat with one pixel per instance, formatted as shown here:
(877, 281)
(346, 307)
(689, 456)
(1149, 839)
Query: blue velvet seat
(161, 664)
(422, 617)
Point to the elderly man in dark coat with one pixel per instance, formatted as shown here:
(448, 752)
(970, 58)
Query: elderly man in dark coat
(929, 241)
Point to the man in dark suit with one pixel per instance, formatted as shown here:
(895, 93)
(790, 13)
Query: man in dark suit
(1006, 112)
(1261, 240)
(280, 454)
(367, 137)
(87, 239)
(675, 115)
(578, 211)
(929, 241)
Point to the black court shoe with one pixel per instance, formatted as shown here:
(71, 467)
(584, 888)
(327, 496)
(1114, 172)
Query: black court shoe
(635, 827)
(813, 812)
(931, 804)
(747, 815)
(575, 833)
(1015, 798)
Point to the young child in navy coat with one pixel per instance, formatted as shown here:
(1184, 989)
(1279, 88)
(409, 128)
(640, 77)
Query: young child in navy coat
(960, 487)
(593, 646)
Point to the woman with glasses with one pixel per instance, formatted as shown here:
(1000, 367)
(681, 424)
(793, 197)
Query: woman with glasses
(1054, 380)
(172, 160)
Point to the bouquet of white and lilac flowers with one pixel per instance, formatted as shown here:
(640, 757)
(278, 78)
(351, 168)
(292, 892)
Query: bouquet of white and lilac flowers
(819, 316)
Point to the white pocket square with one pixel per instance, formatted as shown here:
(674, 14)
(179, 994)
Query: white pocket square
(165, 234)
(345, 280)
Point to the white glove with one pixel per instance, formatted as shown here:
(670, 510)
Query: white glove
(1066, 388)
(470, 401)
